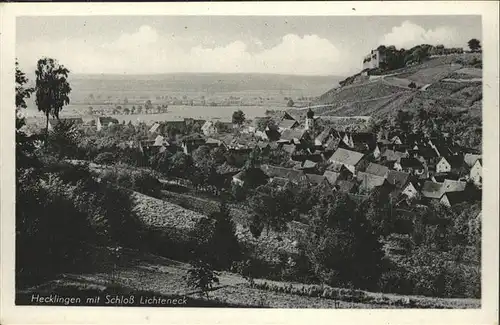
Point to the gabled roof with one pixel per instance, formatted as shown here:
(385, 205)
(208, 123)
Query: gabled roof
(345, 186)
(309, 164)
(279, 181)
(441, 177)
(410, 163)
(193, 137)
(159, 141)
(363, 137)
(290, 148)
(292, 134)
(455, 161)
(287, 124)
(370, 181)
(432, 190)
(392, 155)
(347, 157)
(154, 128)
(378, 170)
(288, 173)
(332, 144)
(213, 141)
(456, 197)
(470, 159)
(263, 145)
(287, 116)
(315, 179)
(324, 135)
(453, 186)
(253, 174)
(331, 176)
(426, 152)
(398, 179)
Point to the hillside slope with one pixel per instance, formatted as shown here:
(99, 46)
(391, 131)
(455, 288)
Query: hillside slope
(453, 81)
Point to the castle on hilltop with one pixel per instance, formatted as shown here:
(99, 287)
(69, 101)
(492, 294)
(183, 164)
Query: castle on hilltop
(374, 59)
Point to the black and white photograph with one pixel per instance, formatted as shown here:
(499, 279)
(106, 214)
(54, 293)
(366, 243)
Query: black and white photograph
(249, 161)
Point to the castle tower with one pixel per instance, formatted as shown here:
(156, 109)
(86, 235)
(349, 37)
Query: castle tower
(310, 120)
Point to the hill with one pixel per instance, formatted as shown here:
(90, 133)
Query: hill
(451, 81)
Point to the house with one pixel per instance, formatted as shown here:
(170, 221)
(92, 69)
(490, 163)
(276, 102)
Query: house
(208, 128)
(411, 190)
(323, 137)
(104, 121)
(396, 140)
(453, 198)
(378, 170)
(470, 159)
(308, 165)
(398, 178)
(410, 165)
(287, 116)
(376, 151)
(331, 176)
(453, 186)
(294, 136)
(252, 177)
(441, 177)
(294, 176)
(224, 125)
(213, 143)
(449, 164)
(191, 142)
(431, 190)
(424, 154)
(264, 146)
(316, 180)
(154, 128)
(345, 186)
(350, 159)
(391, 155)
(261, 135)
(287, 125)
(369, 181)
(159, 141)
(290, 148)
(476, 172)
(174, 123)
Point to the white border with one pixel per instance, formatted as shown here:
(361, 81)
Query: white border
(10, 314)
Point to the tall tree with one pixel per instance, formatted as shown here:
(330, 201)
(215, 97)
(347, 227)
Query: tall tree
(474, 44)
(22, 92)
(52, 88)
(238, 117)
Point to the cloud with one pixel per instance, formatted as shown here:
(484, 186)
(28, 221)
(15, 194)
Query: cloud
(147, 51)
(409, 34)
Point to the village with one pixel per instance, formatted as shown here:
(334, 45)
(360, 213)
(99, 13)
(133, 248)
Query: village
(412, 168)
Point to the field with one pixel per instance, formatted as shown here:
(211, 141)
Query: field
(252, 93)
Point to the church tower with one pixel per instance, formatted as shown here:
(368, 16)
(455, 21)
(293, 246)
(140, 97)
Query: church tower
(310, 120)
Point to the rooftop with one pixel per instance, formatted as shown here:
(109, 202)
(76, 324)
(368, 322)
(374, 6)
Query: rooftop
(345, 156)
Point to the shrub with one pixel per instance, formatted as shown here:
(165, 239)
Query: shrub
(200, 276)
(105, 158)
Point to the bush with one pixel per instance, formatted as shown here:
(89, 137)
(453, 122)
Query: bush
(143, 181)
(105, 158)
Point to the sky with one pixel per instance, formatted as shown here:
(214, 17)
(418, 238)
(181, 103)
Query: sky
(300, 45)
